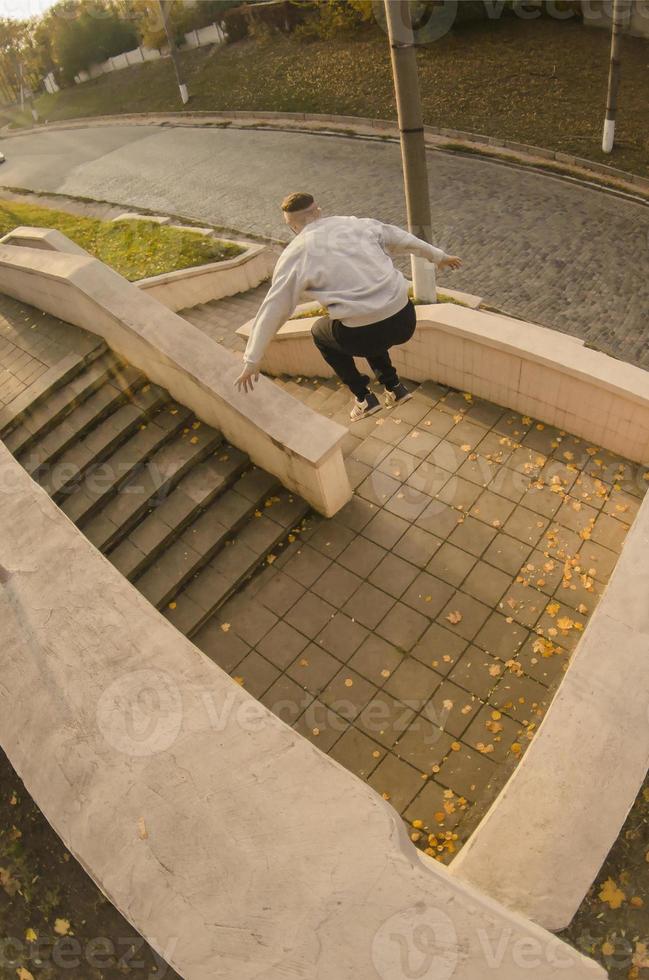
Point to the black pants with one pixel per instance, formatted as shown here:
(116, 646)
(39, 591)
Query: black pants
(339, 345)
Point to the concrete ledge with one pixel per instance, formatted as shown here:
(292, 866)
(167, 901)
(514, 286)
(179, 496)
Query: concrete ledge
(534, 370)
(280, 434)
(231, 843)
(561, 810)
(183, 288)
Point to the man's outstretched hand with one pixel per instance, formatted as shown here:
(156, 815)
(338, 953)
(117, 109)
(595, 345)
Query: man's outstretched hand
(247, 379)
(450, 262)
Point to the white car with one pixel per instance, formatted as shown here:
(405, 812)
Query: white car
(2, 158)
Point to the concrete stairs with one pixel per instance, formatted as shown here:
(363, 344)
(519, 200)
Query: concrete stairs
(180, 512)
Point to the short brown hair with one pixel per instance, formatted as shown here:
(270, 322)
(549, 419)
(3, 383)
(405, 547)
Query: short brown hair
(299, 201)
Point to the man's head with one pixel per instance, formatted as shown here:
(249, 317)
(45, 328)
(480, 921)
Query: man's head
(299, 210)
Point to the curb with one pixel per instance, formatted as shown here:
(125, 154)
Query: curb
(553, 162)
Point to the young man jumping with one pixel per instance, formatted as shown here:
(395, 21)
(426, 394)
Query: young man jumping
(344, 263)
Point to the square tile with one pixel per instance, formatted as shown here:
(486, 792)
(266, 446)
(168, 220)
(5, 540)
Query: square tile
(286, 699)
(305, 565)
(399, 464)
(368, 605)
(526, 526)
(321, 726)
(428, 479)
(330, 538)
(438, 519)
(521, 698)
(609, 532)
(408, 503)
(391, 429)
(486, 583)
(313, 669)
(506, 553)
(600, 559)
(378, 487)
(412, 683)
(396, 782)
(428, 595)
(492, 734)
(342, 636)
(508, 483)
(225, 648)
(336, 585)
(417, 546)
(402, 626)
(523, 603)
(419, 442)
(279, 593)
(393, 575)
(358, 753)
(348, 693)
(385, 719)
(547, 670)
(371, 451)
(361, 556)
(439, 648)
(256, 674)
(451, 708)
(437, 422)
(542, 500)
(478, 469)
(477, 672)
(282, 645)
(460, 493)
(451, 564)
(466, 433)
(356, 513)
(310, 614)
(471, 612)
(423, 745)
(492, 509)
(385, 529)
(376, 659)
(500, 638)
(435, 808)
(468, 773)
(542, 572)
(249, 620)
(472, 536)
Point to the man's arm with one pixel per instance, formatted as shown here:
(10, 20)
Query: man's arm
(396, 240)
(280, 301)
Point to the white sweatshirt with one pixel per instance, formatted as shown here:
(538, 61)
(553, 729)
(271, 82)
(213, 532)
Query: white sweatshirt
(344, 263)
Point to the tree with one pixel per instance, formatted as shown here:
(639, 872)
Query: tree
(86, 33)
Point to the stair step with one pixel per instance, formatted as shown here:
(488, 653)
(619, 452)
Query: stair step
(21, 407)
(45, 414)
(233, 565)
(100, 442)
(205, 536)
(127, 463)
(90, 412)
(150, 486)
(175, 512)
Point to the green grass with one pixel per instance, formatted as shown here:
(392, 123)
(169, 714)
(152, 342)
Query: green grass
(541, 82)
(135, 249)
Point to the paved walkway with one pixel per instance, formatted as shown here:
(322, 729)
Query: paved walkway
(30, 343)
(417, 637)
(554, 252)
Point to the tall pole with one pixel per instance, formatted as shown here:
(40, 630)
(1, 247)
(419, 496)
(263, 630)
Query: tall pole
(411, 129)
(617, 20)
(184, 94)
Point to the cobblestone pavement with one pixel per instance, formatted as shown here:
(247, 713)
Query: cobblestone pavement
(568, 256)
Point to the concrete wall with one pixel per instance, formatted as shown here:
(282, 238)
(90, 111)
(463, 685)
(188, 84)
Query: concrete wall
(280, 434)
(532, 369)
(179, 290)
(231, 843)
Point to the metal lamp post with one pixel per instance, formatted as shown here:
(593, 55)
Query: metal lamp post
(411, 129)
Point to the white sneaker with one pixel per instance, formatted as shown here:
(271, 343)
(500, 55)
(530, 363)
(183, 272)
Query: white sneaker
(393, 396)
(362, 409)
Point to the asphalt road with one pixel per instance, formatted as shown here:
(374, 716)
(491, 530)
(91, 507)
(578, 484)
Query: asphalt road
(564, 255)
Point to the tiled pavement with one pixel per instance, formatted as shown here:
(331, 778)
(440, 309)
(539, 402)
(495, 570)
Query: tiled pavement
(30, 343)
(418, 636)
